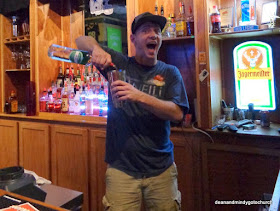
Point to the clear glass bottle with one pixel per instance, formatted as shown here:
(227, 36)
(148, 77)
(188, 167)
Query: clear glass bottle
(71, 55)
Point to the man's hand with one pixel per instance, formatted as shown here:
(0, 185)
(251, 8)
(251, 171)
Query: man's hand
(167, 110)
(100, 58)
(121, 91)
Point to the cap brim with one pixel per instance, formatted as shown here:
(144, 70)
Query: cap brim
(160, 20)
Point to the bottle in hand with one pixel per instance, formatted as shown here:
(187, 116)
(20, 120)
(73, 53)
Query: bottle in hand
(71, 55)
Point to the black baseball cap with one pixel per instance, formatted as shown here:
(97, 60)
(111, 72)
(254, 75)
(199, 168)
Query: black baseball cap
(147, 17)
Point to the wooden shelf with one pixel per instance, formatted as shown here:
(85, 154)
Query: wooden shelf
(19, 39)
(253, 33)
(177, 38)
(18, 70)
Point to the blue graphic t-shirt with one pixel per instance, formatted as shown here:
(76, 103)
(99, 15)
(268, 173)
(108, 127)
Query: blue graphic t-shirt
(137, 142)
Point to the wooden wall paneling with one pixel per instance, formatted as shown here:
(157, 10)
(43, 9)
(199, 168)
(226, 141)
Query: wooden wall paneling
(70, 160)
(202, 47)
(131, 11)
(34, 148)
(72, 27)
(237, 172)
(215, 79)
(8, 143)
(2, 94)
(97, 168)
(184, 160)
(47, 31)
(33, 9)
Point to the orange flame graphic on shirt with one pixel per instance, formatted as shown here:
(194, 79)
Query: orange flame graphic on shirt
(252, 58)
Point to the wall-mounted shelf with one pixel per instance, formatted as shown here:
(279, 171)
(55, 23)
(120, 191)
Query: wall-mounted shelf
(253, 33)
(177, 38)
(19, 39)
(18, 70)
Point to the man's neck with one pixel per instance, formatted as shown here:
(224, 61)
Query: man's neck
(145, 62)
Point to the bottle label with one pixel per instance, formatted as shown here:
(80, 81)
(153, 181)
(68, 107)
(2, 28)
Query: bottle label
(64, 105)
(215, 18)
(14, 106)
(76, 57)
(180, 28)
(59, 83)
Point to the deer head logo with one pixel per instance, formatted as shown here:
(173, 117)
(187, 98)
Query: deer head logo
(252, 58)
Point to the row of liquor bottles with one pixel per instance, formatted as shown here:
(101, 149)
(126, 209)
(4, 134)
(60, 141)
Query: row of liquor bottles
(83, 93)
(180, 26)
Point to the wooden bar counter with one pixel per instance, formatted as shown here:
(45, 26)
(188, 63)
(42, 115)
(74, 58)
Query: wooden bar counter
(69, 151)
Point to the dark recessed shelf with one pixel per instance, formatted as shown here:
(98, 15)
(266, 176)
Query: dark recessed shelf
(18, 70)
(177, 38)
(253, 33)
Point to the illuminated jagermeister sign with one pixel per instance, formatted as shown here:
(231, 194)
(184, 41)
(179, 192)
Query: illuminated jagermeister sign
(254, 79)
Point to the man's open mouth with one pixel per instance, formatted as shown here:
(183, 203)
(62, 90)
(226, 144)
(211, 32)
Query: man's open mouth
(151, 46)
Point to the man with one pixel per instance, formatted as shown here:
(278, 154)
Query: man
(138, 149)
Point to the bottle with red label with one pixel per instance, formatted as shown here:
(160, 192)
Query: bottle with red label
(215, 20)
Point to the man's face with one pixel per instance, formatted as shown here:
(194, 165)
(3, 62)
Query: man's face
(147, 40)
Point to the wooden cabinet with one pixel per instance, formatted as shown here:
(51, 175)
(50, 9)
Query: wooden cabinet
(8, 143)
(34, 148)
(238, 167)
(97, 168)
(70, 159)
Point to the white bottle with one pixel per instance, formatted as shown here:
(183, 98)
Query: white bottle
(77, 109)
(72, 99)
(89, 101)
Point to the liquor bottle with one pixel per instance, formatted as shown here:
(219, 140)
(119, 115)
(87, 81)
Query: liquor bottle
(170, 28)
(166, 27)
(77, 109)
(78, 77)
(161, 10)
(14, 102)
(156, 9)
(43, 101)
(181, 29)
(83, 101)
(71, 55)
(60, 78)
(215, 20)
(50, 105)
(89, 101)
(72, 99)
(190, 23)
(66, 75)
(7, 108)
(65, 100)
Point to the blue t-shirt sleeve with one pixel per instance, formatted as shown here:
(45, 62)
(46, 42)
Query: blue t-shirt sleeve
(176, 91)
(118, 58)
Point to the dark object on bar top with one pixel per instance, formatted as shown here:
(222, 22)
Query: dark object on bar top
(13, 179)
